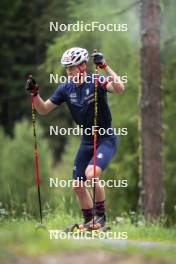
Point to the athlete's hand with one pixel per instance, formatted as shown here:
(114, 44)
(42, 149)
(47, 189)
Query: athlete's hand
(98, 59)
(31, 86)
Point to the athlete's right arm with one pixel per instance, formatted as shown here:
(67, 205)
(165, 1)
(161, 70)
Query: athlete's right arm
(43, 107)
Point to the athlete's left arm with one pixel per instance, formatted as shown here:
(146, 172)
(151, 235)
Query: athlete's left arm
(114, 84)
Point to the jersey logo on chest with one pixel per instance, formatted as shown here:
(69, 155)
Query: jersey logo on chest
(72, 95)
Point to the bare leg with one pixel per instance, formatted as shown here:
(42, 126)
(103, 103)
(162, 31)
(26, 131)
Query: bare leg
(83, 197)
(99, 191)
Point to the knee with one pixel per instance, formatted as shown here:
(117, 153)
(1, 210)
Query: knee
(89, 173)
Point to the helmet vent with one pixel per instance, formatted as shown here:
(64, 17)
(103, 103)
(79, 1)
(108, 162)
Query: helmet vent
(78, 58)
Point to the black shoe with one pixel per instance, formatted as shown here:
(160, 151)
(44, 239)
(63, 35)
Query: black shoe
(100, 220)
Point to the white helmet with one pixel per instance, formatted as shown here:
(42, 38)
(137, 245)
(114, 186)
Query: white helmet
(74, 56)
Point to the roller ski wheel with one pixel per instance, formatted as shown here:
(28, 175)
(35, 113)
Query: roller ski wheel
(99, 228)
(73, 228)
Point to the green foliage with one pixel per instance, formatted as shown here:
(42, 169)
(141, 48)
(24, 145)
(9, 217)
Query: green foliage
(19, 238)
(17, 174)
(64, 198)
(28, 46)
(169, 81)
(168, 48)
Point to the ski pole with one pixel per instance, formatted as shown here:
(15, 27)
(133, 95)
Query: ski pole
(36, 157)
(95, 135)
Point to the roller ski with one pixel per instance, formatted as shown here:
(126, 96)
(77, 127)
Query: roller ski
(98, 225)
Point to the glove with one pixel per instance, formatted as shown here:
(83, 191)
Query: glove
(31, 86)
(99, 59)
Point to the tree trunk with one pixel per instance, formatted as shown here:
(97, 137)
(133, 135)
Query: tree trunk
(150, 105)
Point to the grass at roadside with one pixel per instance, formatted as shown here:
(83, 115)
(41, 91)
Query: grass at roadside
(19, 237)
